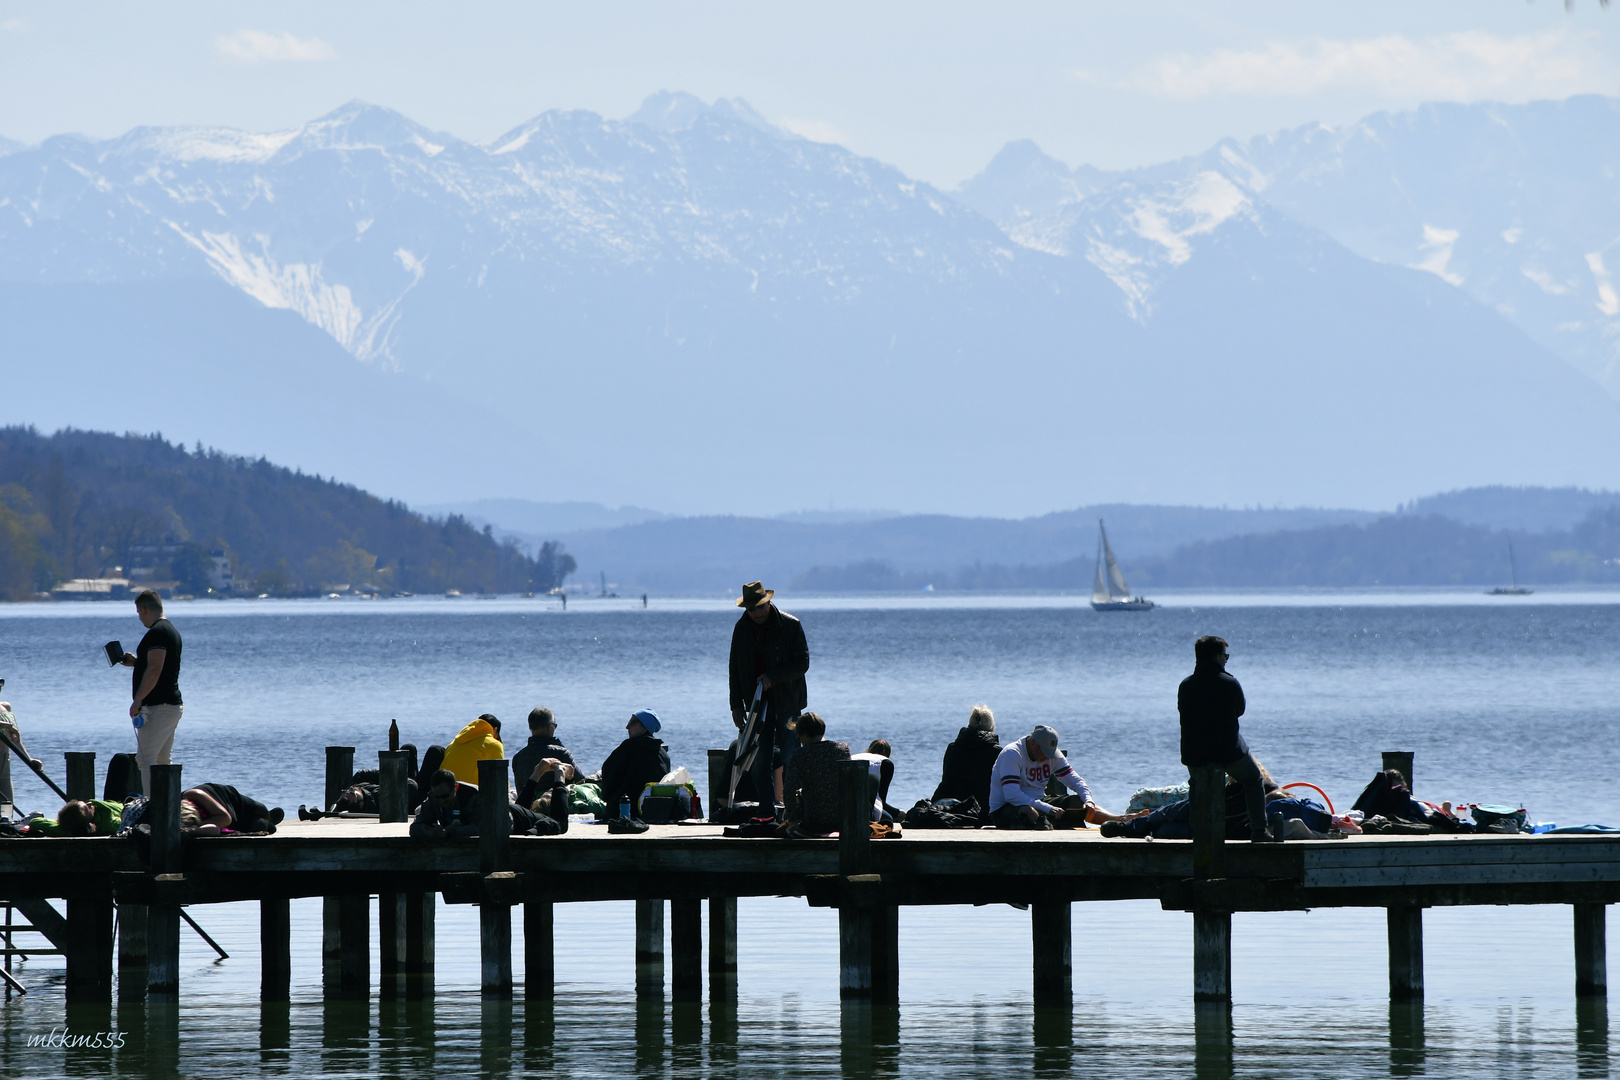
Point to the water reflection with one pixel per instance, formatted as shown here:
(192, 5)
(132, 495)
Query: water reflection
(1054, 1042)
(649, 1036)
(345, 1035)
(1212, 1040)
(869, 1039)
(1406, 1049)
(275, 1031)
(1592, 1037)
(539, 1036)
(495, 1035)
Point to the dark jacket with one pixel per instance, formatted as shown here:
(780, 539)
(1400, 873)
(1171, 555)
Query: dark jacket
(1210, 702)
(810, 785)
(638, 761)
(969, 760)
(777, 650)
(537, 748)
(459, 821)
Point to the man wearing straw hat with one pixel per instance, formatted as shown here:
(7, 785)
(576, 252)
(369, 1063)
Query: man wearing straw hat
(768, 651)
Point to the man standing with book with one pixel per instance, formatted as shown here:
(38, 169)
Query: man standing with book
(156, 705)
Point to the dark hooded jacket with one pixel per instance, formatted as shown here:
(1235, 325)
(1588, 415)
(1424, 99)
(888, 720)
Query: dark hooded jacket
(534, 751)
(638, 761)
(1210, 702)
(969, 760)
(776, 649)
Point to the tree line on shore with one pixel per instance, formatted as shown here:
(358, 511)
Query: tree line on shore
(1396, 550)
(78, 504)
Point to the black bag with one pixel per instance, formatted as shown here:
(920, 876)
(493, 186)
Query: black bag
(658, 809)
(945, 814)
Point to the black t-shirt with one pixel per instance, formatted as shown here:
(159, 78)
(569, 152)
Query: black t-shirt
(163, 636)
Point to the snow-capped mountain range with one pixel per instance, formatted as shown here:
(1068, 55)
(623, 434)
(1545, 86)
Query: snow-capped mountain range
(692, 309)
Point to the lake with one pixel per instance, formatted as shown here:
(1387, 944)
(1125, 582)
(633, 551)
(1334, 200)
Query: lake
(1501, 699)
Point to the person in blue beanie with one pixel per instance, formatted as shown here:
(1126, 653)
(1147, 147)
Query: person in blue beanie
(640, 760)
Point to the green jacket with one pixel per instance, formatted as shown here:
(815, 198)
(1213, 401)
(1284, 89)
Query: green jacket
(108, 816)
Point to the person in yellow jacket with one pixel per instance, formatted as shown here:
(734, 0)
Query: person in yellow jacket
(478, 741)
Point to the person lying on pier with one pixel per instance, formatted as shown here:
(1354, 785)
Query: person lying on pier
(547, 776)
(877, 756)
(810, 783)
(969, 760)
(543, 743)
(1018, 786)
(80, 817)
(639, 760)
(1210, 701)
(478, 741)
(208, 808)
(1173, 820)
(450, 812)
(364, 793)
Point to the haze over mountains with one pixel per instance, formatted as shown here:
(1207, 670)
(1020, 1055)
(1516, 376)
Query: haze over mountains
(694, 310)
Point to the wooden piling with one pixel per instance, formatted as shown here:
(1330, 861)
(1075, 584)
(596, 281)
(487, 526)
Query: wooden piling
(1212, 930)
(89, 945)
(81, 774)
(131, 951)
(539, 950)
(722, 949)
(339, 771)
(650, 949)
(1591, 950)
(393, 806)
(420, 921)
(275, 949)
(1212, 956)
(686, 942)
(494, 857)
(163, 920)
(1405, 953)
(1051, 932)
(854, 860)
(354, 946)
(722, 909)
(393, 795)
(886, 954)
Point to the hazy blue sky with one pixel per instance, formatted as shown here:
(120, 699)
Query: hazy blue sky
(935, 88)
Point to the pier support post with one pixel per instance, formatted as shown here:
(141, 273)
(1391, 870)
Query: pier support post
(1591, 950)
(686, 942)
(539, 951)
(1051, 928)
(1401, 761)
(494, 856)
(81, 774)
(131, 951)
(89, 946)
(420, 911)
(1212, 956)
(354, 950)
(650, 949)
(886, 954)
(1405, 953)
(275, 949)
(393, 796)
(393, 804)
(339, 770)
(854, 859)
(722, 950)
(163, 920)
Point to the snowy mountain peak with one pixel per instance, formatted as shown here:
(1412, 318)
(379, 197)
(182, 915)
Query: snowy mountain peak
(8, 146)
(1022, 182)
(670, 112)
(359, 125)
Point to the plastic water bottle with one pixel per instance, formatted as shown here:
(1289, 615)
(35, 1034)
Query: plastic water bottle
(624, 807)
(139, 719)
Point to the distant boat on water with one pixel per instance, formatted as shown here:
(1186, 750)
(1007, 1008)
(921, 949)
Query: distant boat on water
(1513, 575)
(1109, 592)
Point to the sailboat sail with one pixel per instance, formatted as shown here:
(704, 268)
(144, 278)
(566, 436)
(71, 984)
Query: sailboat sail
(1116, 579)
(1099, 589)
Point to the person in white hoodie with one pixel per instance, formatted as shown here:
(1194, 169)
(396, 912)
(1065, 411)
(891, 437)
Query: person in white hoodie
(1018, 786)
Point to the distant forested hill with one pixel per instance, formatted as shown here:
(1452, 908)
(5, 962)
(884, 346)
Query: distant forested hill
(79, 503)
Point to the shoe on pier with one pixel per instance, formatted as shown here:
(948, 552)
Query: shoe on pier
(1265, 837)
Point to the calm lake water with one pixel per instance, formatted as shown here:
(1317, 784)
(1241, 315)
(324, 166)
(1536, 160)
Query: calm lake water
(1503, 700)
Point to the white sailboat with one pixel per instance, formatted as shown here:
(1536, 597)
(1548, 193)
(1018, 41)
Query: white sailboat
(1109, 593)
(1513, 571)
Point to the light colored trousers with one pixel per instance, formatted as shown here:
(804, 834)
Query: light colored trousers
(154, 739)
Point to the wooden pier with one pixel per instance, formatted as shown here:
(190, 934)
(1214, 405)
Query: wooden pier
(688, 867)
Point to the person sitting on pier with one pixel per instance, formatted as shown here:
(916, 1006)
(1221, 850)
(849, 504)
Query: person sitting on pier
(208, 808)
(478, 741)
(1210, 701)
(450, 812)
(878, 756)
(639, 760)
(810, 785)
(1018, 786)
(970, 758)
(543, 744)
